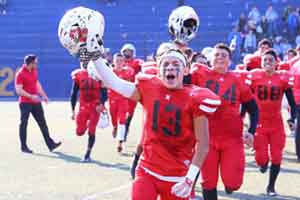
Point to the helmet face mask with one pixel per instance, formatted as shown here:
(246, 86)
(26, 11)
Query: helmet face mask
(183, 24)
(128, 50)
(81, 28)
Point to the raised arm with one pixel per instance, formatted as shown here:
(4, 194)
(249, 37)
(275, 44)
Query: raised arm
(99, 69)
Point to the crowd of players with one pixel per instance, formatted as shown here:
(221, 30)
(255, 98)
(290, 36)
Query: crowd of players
(194, 109)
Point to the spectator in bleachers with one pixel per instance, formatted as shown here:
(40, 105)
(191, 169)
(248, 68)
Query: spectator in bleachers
(277, 46)
(286, 12)
(272, 17)
(298, 14)
(282, 26)
(234, 41)
(292, 25)
(285, 46)
(3, 4)
(264, 28)
(254, 15)
(250, 42)
(242, 22)
(297, 40)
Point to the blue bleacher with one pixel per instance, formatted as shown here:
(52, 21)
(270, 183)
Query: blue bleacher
(31, 27)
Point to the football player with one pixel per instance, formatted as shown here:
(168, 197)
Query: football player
(90, 106)
(118, 105)
(226, 149)
(174, 144)
(269, 86)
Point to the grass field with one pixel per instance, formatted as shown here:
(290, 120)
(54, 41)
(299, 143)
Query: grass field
(61, 176)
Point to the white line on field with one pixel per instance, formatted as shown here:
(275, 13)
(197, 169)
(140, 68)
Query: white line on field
(105, 193)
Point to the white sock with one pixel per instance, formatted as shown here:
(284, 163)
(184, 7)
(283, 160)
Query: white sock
(121, 132)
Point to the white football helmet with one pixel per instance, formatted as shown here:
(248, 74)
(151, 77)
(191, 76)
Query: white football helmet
(183, 24)
(81, 27)
(130, 47)
(163, 47)
(207, 52)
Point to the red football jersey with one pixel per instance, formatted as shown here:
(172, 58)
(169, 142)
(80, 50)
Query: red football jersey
(28, 79)
(253, 62)
(135, 64)
(151, 70)
(150, 67)
(126, 73)
(295, 71)
(283, 66)
(268, 91)
(226, 122)
(89, 88)
(168, 135)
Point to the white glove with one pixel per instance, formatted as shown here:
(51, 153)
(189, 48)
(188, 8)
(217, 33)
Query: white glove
(184, 188)
(85, 56)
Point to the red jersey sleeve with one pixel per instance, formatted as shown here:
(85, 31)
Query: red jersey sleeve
(283, 66)
(143, 84)
(243, 83)
(253, 62)
(287, 78)
(130, 74)
(204, 102)
(246, 94)
(150, 70)
(197, 71)
(19, 79)
(76, 75)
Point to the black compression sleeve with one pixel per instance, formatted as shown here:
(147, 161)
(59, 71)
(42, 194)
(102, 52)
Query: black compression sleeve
(290, 97)
(252, 109)
(73, 98)
(103, 95)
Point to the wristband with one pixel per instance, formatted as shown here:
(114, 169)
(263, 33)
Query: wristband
(192, 172)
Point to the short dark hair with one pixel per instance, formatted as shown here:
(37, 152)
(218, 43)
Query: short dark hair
(30, 58)
(265, 41)
(271, 52)
(223, 46)
(197, 55)
(293, 51)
